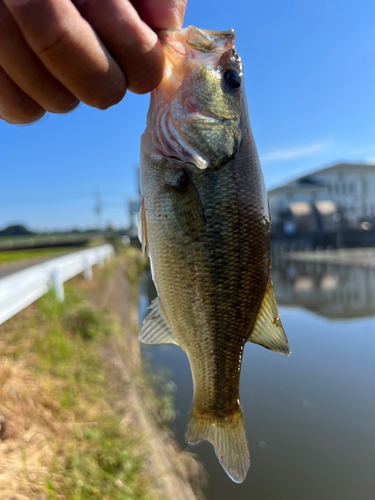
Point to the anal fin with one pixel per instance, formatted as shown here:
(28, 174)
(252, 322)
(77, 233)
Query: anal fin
(268, 330)
(155, 329)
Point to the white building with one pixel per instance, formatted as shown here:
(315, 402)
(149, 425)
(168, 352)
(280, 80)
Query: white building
(350, 185)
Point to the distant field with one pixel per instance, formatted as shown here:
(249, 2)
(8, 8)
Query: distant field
(46, 240)
(32, 253)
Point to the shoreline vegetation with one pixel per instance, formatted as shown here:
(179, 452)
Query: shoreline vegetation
(79, 416)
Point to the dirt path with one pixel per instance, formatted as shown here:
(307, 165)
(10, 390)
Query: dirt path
(174, 471)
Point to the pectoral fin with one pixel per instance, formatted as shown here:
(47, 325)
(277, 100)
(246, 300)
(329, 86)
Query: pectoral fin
(187, 205)
(155, 329)
(142, 228)
(268, 330)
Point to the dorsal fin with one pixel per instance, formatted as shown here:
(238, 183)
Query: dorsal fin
(142, 228)
(268, 330)
(155, 329)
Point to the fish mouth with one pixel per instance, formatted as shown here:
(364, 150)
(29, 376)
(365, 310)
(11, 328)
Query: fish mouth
(208, 40)
(199, 39)
(207, 45)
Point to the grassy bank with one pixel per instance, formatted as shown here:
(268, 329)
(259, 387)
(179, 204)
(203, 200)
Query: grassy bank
(71, 425)
(52, 370)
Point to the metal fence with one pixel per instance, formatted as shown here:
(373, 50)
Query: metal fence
(22, 288)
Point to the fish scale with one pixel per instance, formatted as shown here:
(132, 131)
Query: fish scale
(206, 224)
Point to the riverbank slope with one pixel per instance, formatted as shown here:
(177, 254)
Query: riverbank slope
(77, 416)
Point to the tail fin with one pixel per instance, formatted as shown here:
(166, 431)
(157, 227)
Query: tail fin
(228, 437)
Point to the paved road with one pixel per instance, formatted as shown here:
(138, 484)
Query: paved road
(7, 269)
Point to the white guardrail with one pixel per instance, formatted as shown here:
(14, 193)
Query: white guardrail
(22, 288)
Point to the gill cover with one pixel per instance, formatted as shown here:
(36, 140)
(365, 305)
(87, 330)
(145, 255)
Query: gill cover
(194, 113)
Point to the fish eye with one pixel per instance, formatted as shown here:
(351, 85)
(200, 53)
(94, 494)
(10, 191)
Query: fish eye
(232, 78)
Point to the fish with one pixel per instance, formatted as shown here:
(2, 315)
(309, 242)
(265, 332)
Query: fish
(205, 225)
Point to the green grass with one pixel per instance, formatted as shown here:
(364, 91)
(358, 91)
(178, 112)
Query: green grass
(135, 268)
(102, 465)
(32, 253)
(97, 457)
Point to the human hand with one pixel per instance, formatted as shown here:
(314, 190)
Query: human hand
(57, 53)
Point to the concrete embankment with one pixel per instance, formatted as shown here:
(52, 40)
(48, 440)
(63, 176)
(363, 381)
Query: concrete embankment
(364, 257)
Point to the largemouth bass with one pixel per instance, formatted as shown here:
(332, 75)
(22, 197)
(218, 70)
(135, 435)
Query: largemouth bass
(205, 222)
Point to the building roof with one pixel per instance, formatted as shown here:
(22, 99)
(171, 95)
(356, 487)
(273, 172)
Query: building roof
(346, 168)
(301, 186)
(307, 182)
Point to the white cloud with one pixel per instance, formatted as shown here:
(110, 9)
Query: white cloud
(293, 153)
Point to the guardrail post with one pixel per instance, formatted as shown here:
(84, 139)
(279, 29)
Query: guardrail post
(57, 285)
(101, 260)
(87, 270)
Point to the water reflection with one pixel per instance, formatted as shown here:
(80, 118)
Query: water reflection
(329, 290)
(309, 417)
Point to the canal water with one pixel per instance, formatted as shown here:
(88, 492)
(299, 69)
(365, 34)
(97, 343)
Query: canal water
(310, 417)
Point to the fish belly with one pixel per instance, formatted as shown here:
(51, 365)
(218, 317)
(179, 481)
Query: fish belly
(210, 281)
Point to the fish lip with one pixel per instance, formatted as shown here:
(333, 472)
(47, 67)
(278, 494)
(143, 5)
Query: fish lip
(200, 39)
(209, 40)
(214, 33)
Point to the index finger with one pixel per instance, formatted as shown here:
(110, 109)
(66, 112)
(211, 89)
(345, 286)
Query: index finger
(161, 14)
(70, 50)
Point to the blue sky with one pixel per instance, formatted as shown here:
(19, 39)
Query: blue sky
(310, 83)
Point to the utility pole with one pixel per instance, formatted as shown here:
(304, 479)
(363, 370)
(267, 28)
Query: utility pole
(98, 209)
(126, 206)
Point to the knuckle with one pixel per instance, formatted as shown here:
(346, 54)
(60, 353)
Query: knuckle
(59, 47)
